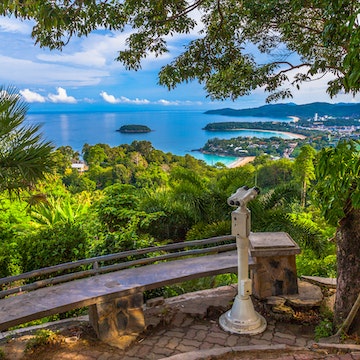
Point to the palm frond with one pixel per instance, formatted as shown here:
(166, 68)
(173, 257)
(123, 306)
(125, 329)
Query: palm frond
(25, 157)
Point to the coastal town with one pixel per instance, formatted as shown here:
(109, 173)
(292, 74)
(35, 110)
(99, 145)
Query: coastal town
(318, 131)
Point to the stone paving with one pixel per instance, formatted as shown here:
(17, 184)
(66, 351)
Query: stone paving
(188, 338)
(183, 328)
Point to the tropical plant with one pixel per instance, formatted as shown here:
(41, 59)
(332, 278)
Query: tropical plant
(52, 211)
(63, 242)
(119, 207)
(14, 223)
(276, 210)
(24, 157)
(204, 230)
(304, 170)
(337, 193)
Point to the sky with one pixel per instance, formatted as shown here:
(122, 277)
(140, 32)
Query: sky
(84, 75)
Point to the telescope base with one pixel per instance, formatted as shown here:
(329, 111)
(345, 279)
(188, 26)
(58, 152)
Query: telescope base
(242, 318)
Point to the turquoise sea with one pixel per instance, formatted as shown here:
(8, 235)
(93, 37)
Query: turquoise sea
(176, 131)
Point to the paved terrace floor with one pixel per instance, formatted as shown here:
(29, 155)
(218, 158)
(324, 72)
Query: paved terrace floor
(182, 335)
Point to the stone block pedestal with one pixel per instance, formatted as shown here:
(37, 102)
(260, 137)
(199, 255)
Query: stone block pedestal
(275, 267)
(118, 321)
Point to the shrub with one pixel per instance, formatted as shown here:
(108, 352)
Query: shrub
(308, 264)
(42, 338)
(63, 242)
(324, 329)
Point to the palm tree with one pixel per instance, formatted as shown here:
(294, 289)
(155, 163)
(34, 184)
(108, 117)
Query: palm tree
(24, 157)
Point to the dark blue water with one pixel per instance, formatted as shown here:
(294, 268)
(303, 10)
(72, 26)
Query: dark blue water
(178, 132)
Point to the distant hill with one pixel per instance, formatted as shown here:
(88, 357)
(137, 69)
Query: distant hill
(302, 111)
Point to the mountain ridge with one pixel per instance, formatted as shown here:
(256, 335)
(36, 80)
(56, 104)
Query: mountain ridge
(290, 109)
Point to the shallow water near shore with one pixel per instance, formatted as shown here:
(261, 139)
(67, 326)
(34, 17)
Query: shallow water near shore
(174, 131)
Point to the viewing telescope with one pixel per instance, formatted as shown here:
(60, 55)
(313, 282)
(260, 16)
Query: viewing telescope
(242, 196)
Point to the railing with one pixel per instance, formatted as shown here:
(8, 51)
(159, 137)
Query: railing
(169, 252)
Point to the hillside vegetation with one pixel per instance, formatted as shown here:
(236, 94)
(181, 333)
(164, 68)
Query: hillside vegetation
(134, 196)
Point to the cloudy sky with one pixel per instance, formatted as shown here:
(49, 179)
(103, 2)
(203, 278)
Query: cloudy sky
(84, 76)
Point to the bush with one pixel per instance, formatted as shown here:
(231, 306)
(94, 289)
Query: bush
(42, 338)
(308, 264)
(205, 231)
(324, 329)
(9, 259)
(63, 242)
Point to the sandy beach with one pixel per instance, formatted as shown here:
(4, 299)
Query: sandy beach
(295, 136)
(241, 161)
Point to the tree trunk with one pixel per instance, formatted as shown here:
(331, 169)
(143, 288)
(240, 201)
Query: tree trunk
(348, 268)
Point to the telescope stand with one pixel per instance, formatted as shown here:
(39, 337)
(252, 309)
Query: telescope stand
(242, 317)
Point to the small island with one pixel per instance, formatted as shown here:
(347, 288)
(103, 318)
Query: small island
(134, 129)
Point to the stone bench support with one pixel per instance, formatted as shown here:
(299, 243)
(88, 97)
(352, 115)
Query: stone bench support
(275, 271)
(118, 321)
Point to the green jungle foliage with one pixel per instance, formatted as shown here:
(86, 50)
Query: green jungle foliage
(141, 197)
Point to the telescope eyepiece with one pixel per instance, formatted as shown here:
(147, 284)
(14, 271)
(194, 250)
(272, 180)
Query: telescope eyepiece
(243, 195)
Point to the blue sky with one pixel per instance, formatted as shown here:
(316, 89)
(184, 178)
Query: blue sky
(85, 76)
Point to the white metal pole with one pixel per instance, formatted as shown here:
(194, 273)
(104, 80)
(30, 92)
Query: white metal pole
(242, 317)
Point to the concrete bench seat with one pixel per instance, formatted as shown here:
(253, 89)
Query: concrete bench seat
(115, 299)
(25, 307)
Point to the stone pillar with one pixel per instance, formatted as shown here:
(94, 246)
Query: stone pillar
(118, 321)
(274, 272)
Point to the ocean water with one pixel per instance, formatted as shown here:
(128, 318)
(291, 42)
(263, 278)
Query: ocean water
(176, 131)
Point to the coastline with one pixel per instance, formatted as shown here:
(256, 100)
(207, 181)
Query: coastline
(292, 135)
(241, 161)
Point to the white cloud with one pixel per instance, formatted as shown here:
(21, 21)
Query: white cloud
(86, 58)
(137, 101)
(10, 24)
(96, 50)
(178, 102)
(109, 98)
(167, 102)
(315, 91)
(122, 100)
(89, 101)
(21, 71)
(62, 97)
(31, 96)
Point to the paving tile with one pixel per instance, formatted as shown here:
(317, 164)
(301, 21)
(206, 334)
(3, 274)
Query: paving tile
(143, 351)
(266, 336)
(213, 339)
(189, 342)
(259, 342)
(173, 343)
(186, 348)
(284, 335)
(200, 327)
(206, 345)
(231, 340)
(200, 335)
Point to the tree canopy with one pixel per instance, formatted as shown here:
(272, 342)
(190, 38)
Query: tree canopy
(324, 34)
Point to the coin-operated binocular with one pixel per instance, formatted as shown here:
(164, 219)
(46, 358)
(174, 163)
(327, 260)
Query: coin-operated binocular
(242, 318)
(242, 196)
